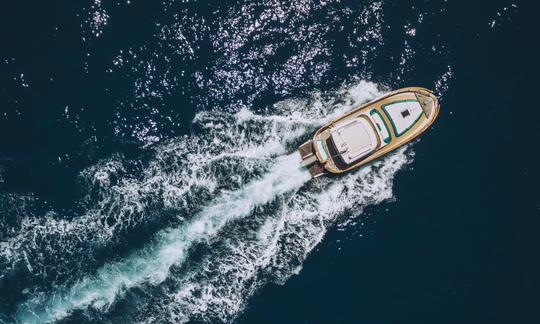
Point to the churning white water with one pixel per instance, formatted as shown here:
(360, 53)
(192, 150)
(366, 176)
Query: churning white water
(233, 189)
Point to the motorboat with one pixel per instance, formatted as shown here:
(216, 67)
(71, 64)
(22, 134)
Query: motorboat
(369, 131)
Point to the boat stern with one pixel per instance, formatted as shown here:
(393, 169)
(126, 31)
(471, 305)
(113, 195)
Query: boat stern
(310, 160)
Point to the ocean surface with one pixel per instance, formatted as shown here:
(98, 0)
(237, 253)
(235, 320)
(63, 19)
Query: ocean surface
(149, 173)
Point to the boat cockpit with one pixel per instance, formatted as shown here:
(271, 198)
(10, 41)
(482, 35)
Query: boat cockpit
(351, 140)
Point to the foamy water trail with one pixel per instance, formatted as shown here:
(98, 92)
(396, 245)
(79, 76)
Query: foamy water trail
(119, 202)
(271, 245)
(152, 263)
(235, 165)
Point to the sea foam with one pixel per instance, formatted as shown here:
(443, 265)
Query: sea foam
(253, 203)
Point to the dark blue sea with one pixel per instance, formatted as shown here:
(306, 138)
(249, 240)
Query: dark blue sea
(149, 173)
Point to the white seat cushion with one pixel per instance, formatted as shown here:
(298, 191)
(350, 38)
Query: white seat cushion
(354, 139)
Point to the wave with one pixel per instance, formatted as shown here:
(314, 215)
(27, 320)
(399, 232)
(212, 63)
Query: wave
(201, 186)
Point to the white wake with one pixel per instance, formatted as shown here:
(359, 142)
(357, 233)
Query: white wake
(152, 263)
(234, 187)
